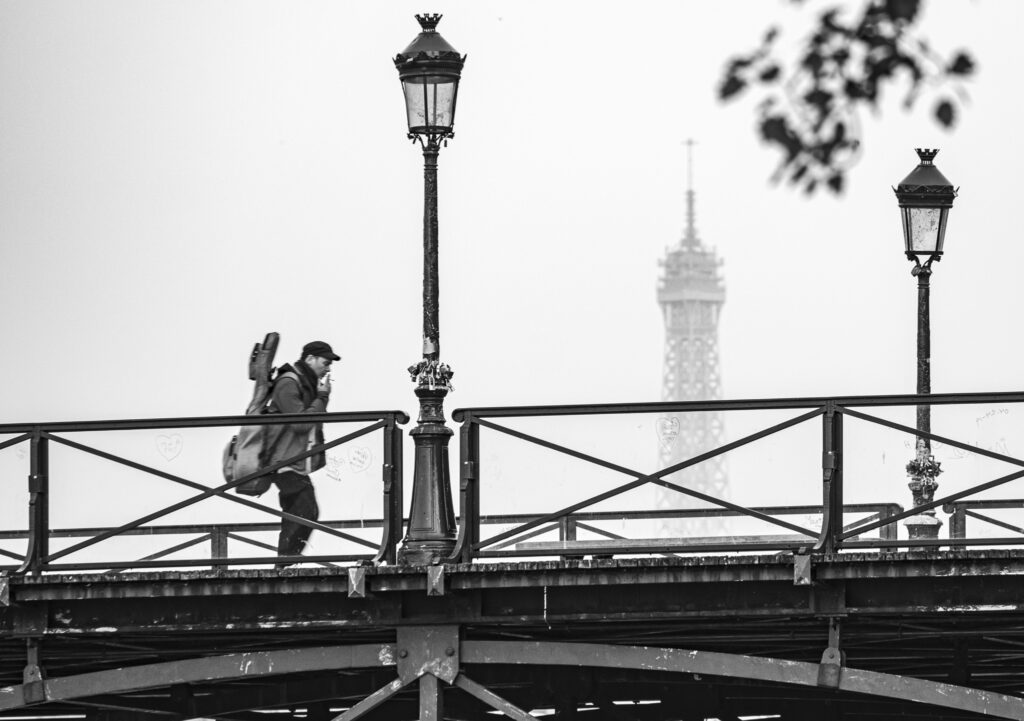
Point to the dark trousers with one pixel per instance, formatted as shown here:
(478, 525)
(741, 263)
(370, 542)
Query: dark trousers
(297, 498)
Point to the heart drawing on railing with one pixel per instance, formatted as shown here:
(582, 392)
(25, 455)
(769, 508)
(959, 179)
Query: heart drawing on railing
(359, 459)
(169, 446)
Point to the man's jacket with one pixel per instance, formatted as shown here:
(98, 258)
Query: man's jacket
(295, 391)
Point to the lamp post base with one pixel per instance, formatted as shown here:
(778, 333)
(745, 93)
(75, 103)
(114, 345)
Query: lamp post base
(924, 527)
(923, 471)
(432, 532)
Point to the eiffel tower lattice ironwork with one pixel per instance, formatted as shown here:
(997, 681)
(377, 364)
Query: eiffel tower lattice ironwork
(691, 293)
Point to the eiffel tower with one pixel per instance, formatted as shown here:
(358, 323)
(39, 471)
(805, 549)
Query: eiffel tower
(691, 293)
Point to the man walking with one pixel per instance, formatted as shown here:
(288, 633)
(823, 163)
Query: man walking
(304, 387)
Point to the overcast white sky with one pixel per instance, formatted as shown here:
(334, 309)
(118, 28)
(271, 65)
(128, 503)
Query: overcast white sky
(179, 178)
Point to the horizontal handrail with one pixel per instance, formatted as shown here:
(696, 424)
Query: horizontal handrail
(459, 414)
(982, 503)
(187, 528)
(634, 515)
(204, 531)
(491, 519)
(400, 417)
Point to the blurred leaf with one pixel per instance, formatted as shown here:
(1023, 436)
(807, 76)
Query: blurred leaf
(903, 9)
(854, 90)
(809, 103)
(945, 113)
(962, 65)
(819, 98)
(775, 129)
(739, 63)
(813, 61)
(730, 87)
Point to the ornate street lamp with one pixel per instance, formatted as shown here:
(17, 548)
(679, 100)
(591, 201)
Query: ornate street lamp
(429, 70)
(925, 197)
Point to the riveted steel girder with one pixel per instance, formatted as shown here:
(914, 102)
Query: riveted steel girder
(513, 653)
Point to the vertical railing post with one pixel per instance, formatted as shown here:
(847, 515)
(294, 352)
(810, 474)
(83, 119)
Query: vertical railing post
(469, 490)
(391, 476)
(567, 532)
(218, 544)
(38, 504)
(957, 523)
(832, 479)
(890, 532)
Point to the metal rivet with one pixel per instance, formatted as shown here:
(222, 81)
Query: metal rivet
(449, 651)
(403, 653)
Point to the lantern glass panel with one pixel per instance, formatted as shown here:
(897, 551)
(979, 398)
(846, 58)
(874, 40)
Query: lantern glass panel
(430, 102)
(922, 229)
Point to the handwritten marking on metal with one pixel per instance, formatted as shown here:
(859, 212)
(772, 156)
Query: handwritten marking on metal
(991, 414)
(667, 429)
(169, 445)
(334, 465)
(360, 458)
(956, 454)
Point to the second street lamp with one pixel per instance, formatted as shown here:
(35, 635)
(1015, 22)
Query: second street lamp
(925, 197)
(430, 69)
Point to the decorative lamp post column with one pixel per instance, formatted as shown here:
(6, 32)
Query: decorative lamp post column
(925, 197)
(429, 70)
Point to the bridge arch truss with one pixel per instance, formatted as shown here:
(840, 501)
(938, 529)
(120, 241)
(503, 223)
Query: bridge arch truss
(426, 660)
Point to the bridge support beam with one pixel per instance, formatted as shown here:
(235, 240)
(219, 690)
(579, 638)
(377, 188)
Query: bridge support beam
(435, 651)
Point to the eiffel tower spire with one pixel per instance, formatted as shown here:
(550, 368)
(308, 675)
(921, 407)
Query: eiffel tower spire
(690, 238)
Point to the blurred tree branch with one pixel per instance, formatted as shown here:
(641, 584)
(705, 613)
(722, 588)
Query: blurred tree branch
(810, 106)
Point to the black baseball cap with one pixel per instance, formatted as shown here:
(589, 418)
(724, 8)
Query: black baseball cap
(320, 349)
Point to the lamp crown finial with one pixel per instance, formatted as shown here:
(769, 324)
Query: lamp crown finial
(926, 155)
(429, 21)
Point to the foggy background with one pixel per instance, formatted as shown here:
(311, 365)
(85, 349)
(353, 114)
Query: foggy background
(179, 178)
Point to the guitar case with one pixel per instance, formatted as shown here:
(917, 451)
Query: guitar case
(243, 454)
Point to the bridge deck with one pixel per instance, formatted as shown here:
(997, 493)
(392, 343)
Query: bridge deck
(950, 616)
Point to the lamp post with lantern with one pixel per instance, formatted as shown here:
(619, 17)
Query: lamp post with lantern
(429, 69)
(925, 197)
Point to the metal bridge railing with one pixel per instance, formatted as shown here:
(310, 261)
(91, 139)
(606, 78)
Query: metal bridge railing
(960, 511)
(834, 534)
(842, 526)
(38, 557)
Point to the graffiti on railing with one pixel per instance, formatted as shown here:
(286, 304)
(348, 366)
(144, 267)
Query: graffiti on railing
(667, 428)
(955, 454)
(360, 458)
(169, 445)
(356, 460)
(991, 414)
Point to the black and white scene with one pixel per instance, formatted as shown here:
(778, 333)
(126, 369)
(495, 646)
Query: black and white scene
(591, 361)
